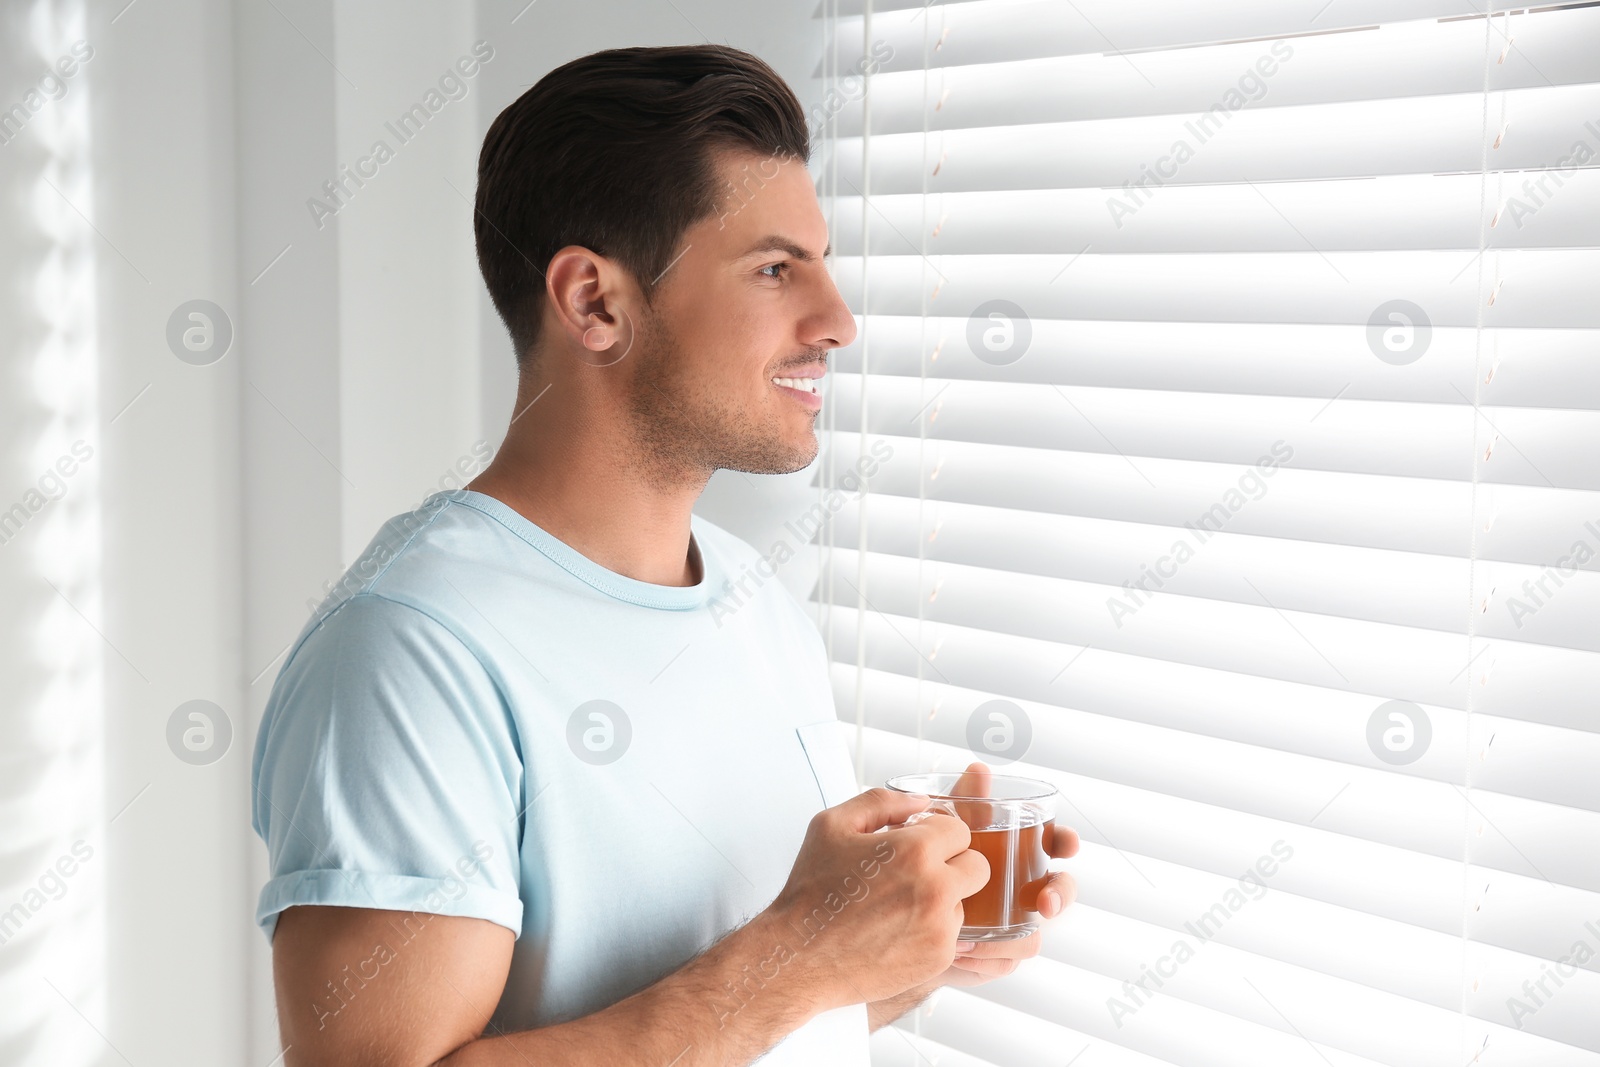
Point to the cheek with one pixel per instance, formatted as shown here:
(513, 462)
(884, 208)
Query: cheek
(728, 340)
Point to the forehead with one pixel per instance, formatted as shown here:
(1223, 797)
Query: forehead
(765, 204)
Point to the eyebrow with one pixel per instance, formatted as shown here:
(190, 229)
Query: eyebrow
(779, 243)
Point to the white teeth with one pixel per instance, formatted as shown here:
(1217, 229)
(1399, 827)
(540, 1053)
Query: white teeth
(808, 385)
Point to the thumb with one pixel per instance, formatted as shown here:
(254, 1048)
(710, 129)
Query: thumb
(974, 782)
(879, 807)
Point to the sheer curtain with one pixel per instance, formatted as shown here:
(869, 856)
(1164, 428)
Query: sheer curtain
(1220, 444)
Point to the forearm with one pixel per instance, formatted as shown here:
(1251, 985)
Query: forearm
(727, 1006)
(881, 1013)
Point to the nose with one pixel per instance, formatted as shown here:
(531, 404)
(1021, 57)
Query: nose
(835, 325)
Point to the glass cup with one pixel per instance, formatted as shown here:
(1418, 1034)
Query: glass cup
(1008, 818)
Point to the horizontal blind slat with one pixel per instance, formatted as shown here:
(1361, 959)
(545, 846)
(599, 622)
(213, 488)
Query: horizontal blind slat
(1537, 288)
(1378, 660)
(1523, 919)
(1324, 738)
(1309, 142)
(1136, 561)
(956, 1018)
(1316, 361)
(1385, 62)
(1526, 446)
(984, 32)
(1527, 524)
(1169, 1027)
(897, 1046)
(1208, 700)
(1396, 213)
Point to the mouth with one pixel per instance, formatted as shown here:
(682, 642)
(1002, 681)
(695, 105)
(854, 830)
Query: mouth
(803, 390)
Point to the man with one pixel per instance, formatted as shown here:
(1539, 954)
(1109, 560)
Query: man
(529, 796)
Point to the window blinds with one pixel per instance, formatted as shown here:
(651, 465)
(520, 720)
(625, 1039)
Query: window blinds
(1228, 398)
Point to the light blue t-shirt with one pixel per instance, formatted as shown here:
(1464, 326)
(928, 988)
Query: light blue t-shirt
(481, 721)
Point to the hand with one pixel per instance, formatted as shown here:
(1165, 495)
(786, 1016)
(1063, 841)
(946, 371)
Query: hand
(868, 914)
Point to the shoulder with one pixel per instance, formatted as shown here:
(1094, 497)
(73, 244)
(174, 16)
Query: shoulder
(399, 584)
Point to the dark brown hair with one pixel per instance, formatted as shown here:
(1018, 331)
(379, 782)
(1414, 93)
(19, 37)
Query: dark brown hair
(615, 152)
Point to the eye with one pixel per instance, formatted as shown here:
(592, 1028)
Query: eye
(780, 267)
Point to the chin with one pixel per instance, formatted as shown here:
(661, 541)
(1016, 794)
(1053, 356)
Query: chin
(805, 449)
(803, 457)
(783, 455)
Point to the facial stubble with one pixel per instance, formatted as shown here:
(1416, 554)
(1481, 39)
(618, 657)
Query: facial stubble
(683, 429)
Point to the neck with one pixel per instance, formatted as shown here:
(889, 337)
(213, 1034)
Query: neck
(577, 476)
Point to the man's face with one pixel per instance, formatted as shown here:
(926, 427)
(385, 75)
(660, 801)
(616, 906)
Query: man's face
(748, 300)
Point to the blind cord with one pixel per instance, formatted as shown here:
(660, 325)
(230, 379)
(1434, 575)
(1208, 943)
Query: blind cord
(861, 437)
(1472, 547)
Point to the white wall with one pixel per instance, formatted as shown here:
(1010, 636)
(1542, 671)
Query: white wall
(363, 335)
(366, 362)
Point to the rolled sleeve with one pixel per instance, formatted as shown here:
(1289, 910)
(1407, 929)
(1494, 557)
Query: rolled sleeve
(387, 773)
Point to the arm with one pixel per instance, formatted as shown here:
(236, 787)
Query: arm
(881, 1013)
(863, 917)
(426, 1000)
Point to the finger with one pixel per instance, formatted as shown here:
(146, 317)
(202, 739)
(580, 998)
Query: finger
(879, 807)
(945, 834)
(961, 978)
(1060, 842)
(975, 781)
(1020, 949)
(973, 869)
(993, 968)
(1048, 895)
(1060, 889)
